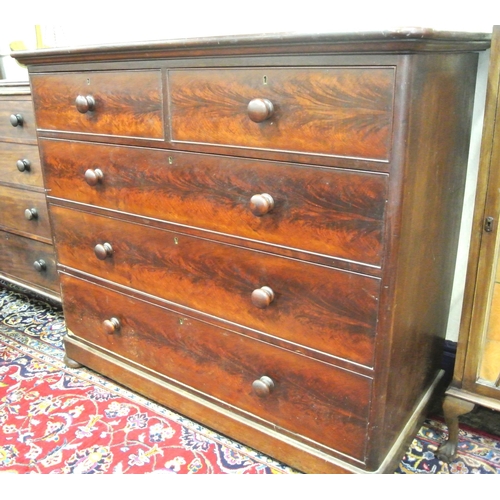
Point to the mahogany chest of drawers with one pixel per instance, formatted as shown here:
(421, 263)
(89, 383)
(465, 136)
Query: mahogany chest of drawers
(27, 255)
(260, 232)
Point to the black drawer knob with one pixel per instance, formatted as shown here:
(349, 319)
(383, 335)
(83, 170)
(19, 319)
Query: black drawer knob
(16, 120)
(84, 104)
(23, 165)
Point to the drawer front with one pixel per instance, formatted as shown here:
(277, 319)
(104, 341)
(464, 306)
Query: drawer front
(25, 130)
(338, 111)
(325, 211)
(20, 164)
(28, 261)
(315, 306)
(15, 205)
(126, 103)
(307, 398)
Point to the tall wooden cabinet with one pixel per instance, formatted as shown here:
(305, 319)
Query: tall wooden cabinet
(27, 255)
(476, 378)
(260, 231)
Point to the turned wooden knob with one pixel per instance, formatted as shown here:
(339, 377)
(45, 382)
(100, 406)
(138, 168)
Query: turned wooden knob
(103, 251)
(16, 120)
(261, 204)
(111, 325)
(31, 213)
(84, 104)
(263, 386)
(40, 265)
(260, 110)
(93, 177)
(23, 165)
(262, 297)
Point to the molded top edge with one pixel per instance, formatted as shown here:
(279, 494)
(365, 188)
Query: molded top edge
(392, 41)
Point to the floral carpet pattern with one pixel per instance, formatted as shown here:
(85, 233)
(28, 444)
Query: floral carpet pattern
(58, 420)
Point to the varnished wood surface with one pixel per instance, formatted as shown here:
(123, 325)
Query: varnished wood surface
(332, 212)
(10, 153)
(21, 134)
(409, 40)
(14, 202)
(307, 398)
(17, 256)
(329, 310)
(329, 111)
(127, 103)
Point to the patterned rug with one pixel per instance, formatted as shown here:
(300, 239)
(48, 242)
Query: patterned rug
(57, 420)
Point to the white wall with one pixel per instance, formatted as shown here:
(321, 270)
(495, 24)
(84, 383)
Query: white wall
(97, 22)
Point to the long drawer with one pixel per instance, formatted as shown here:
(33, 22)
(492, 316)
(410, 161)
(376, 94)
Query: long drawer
(20, 164)
(316, 306)
(326, 211)
(25, 212)
(28, 261)
(120, 103)
(340, 111)
(305, 398)
(23, 129)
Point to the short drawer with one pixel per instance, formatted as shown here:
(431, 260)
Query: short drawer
(119, 103)
(339, 111)
(332, 212)
(28, 261)
(25, 212)
(20, 164)
(17, 121)
(306, 396)
(315, 306)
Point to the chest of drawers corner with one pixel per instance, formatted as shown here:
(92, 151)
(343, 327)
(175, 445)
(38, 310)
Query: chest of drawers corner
(260, 232)
(27, 255)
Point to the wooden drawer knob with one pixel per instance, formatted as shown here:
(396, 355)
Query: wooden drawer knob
(16, 120)
(111, 325)
(40, 265)
(103, 251)
(84, 104)
(23, 165)
(261, 204)
(260, 110)
(31, 213)
(263, 386)
(93, 176)
(262, 297)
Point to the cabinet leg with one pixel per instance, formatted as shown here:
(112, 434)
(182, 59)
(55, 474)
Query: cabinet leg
(71, 363)
(452, 407)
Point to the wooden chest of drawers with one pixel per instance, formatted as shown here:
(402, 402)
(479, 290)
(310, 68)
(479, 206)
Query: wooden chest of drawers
(27, 255)
(260, 232)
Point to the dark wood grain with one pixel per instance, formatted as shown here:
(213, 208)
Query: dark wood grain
(332, 212)
(17, 256)
(308, 397)
(329, 310)
(14, 202)
(127, 103)
(25, 133)
(9, 174)
(329, 111)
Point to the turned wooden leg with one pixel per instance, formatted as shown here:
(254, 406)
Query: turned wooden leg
(452, 407)
(71, 363)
